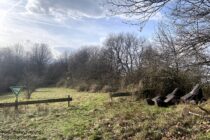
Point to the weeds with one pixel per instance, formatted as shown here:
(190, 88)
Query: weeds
(93, 116)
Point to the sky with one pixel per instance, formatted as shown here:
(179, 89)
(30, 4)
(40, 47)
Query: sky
(63, 24)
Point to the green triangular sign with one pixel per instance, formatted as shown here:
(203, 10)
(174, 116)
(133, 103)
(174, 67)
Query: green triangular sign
(16, 89)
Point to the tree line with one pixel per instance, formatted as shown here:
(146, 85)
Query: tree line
(178, 56)
(124, 62)
(21, 67)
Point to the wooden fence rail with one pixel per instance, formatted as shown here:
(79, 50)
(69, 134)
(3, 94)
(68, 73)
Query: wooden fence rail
(16, 104)
(120, 94)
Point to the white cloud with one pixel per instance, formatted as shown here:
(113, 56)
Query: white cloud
(62, 9)
(21, 29)
(53, 22)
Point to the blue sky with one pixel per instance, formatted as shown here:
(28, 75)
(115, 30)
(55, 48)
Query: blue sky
(62, 24)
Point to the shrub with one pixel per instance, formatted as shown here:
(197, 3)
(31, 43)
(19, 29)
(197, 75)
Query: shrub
(134, 88)
(61, 83)
(108, 88)
(82, 87)
(95, 88)
(206, 90)
(140, 86)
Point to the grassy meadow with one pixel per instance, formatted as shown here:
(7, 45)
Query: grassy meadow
(92, 116)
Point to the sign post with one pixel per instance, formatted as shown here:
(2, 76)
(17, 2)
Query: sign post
(16, 90)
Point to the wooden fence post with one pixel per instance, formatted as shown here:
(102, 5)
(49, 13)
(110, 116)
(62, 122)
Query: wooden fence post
(68, 101)
(16, 104)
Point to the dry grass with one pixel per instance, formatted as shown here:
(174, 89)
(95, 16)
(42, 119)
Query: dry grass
(93, 116)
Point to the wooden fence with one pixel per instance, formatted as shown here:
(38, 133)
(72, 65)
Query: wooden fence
(120, 94)
(16, 104)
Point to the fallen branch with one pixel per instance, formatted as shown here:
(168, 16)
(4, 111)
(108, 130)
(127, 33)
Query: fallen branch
(195, 114)
(199, 115)
(203, 109)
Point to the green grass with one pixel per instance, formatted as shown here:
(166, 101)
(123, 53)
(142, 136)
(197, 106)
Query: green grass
(93, 116)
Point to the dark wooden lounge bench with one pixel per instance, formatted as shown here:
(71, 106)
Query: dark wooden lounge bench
(174, 97)
(195, 95)
(170, 99)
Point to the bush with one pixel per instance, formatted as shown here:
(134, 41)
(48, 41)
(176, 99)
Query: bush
(61, 83)
(133, 88)
(206, 90)
(108, 88)
(140, 86)
(82, 87)
(95, 88)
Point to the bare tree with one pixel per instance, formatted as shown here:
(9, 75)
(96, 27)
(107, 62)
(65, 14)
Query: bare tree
(125, 51)
(11, 66)
(40, 56)
(190, 17)
(31, 83)
(169, 49)
(140, 10)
